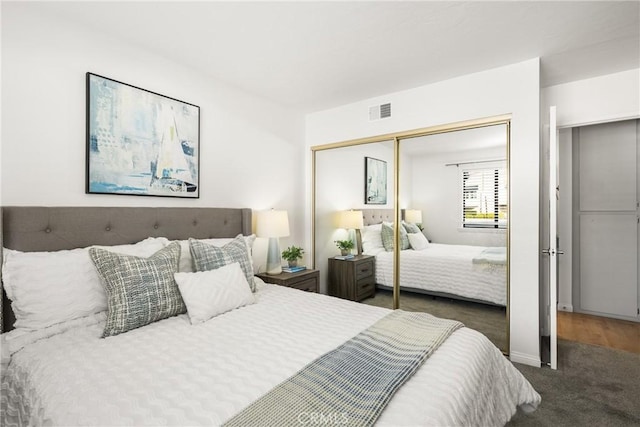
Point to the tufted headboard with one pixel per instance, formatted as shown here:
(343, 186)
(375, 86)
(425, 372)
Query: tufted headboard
(376, 216)
(36, 228)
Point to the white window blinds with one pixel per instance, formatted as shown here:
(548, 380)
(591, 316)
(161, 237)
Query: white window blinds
(484, 198)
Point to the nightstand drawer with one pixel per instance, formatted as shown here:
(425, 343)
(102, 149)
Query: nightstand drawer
(365, 289)
(364, 269)
(309, 285)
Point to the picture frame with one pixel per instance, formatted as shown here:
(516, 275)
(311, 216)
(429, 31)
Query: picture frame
(140, 142)
(375, 181)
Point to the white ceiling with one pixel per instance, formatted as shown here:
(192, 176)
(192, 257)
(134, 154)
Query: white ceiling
(316, 55)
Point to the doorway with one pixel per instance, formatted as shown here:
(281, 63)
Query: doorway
(598, 215)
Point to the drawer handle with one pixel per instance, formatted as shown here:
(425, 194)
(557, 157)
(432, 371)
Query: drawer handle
(364, 270)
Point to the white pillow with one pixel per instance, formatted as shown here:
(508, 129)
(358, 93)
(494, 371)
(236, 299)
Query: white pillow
(46, 288)
(210, 293)
(418, 241)
(186, 261)
(372, 239)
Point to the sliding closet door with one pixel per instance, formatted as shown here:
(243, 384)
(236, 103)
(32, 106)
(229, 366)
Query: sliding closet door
(608, 219)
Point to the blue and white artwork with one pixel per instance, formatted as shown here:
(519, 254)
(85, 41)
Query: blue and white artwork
(375, 181)
(140, 142)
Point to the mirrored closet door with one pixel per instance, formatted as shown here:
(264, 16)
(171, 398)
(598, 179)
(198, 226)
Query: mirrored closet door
(448, 188)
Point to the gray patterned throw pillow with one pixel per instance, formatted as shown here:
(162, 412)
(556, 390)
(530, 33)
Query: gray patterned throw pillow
(139, 290)
(208, 257)
(387, 237)
(411, 227)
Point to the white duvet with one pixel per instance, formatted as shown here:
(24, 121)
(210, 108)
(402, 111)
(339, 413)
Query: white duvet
(446, 268)
(175, 373)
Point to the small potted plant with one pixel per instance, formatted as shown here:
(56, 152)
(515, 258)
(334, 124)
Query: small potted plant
(292, 254)
(345, 246)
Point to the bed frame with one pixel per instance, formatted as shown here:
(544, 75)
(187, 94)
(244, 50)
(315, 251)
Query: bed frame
(37, 228)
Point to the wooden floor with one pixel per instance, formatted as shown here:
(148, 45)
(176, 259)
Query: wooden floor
(603, 331)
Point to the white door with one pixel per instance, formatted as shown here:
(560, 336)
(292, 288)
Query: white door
(553, 239)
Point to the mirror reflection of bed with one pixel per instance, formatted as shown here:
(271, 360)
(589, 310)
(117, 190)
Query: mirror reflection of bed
(461, 273)
(462, 282)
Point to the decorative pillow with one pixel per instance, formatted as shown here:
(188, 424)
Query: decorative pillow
(418, 241)
(144, 248)
(372, 239)
(139, 290)
(186, 261)
(411, 227)
(209, 257)
(210, 293)
(46, 288)
(387, 237)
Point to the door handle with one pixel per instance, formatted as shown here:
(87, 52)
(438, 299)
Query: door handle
(552, 252)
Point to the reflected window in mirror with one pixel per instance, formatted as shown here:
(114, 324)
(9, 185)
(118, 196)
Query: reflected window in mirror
(484, 196)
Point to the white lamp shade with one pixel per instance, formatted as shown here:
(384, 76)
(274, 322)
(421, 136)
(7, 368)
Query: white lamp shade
(272, 224)
(351, 220)
(413, 216)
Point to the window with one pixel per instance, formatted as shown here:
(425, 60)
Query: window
(484, 198)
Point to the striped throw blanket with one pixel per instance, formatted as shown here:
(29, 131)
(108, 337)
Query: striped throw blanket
(352, 384)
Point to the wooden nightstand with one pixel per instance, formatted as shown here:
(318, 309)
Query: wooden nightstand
(306, 280)
(354, 278)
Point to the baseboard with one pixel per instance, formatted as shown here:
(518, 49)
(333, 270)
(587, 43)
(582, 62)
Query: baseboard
(525, 359)
(563, 306)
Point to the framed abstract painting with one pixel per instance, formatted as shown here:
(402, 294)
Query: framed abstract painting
(375, 181)
(140, 142)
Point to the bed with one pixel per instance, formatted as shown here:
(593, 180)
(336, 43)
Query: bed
(474, 273)
(176, 372)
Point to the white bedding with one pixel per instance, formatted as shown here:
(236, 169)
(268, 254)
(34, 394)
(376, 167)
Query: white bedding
(446, 268)
(174, 373)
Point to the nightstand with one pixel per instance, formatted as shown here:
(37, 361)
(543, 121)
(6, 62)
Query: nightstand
(306, 280)
(352, 279)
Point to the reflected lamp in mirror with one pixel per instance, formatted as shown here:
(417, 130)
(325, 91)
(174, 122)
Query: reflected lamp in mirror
(273, 224)
(413, 216)
(352, 220)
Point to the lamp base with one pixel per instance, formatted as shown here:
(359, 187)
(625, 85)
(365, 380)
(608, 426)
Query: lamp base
(274, 263)
(356, 237)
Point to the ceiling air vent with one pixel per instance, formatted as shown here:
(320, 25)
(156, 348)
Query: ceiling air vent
(378, 112)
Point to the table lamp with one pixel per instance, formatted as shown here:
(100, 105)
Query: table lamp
(273, 224)
(352, 220)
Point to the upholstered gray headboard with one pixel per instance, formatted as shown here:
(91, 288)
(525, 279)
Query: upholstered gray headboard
(36, 228)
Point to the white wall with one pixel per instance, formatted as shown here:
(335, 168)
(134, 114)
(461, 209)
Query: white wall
(512, 89)
(600, 99)
(252, 151)
(608, 98)
(437, 193)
